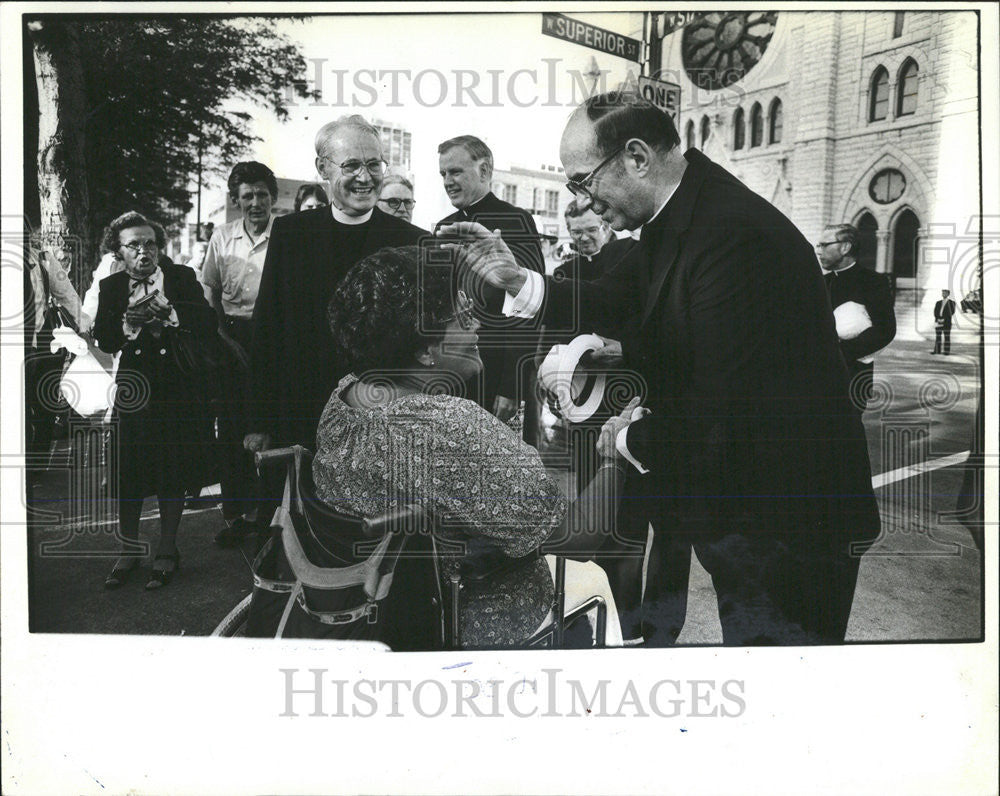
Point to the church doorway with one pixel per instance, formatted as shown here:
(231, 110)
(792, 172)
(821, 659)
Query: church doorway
(868, 240)
(905, 232)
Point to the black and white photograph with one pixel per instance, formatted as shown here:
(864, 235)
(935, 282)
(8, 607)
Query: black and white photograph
(626, 374)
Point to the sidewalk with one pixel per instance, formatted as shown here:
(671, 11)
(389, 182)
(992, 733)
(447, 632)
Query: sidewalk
(922, 580)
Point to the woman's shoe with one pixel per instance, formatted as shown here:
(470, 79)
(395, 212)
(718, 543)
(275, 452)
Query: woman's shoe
(158, 578)
(119, 575)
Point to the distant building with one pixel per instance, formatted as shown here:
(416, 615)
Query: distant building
(396, 145)
(542, 192)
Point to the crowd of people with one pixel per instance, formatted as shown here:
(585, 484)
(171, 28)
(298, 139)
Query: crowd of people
(408, 360)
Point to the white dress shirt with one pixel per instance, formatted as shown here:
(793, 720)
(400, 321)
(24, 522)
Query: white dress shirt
(233, 265)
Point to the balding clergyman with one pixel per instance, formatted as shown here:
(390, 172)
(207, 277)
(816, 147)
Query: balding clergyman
(293, 366)
(755, 455)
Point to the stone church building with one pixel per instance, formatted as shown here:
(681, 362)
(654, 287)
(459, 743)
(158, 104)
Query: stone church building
(863, 117)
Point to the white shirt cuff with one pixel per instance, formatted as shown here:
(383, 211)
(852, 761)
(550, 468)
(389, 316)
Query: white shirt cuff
(529, 298)
(621, 445)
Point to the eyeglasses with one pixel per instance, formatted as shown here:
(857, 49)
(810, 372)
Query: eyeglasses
(141, 246)
(464, 312)
(395, 203)
(823, 243)
(579, 187)
(352, 168)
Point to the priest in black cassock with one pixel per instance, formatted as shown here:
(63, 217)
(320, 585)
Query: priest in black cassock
(293, 366)
(862, 333)
(595, 247)
(507, 346)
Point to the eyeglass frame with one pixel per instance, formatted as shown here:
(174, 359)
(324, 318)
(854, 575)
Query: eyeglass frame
(383, 167)
(407, 203)
(145, 245)
(466, 311)
(824, 243)
(579, 187)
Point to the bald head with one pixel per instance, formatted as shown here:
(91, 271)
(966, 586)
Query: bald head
(621, 154)
(617, 116)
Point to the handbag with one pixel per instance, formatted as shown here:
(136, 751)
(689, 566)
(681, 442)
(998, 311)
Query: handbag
(197, 358)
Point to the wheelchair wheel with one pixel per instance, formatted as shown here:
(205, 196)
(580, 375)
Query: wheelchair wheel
(235, 622)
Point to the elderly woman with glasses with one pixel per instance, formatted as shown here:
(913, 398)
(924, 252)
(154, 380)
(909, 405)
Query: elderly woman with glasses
(396, 197)
(397, 430)
(162, 429)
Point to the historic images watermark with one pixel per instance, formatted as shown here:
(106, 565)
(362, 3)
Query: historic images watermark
(547, 84)
(547, 694)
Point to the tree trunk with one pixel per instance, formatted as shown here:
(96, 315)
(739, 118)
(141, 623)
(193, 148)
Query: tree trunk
(62, 176)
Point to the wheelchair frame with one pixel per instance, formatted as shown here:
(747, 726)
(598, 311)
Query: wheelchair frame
(384, 528)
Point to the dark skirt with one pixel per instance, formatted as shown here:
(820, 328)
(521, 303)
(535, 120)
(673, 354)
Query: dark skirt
(164, 437)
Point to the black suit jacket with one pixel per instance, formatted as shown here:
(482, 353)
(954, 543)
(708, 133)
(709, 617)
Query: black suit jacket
(752, 427)
(147, 355)
(293, 365)
(943, 310)
(589, 269)
(873, 292)
(504, 342)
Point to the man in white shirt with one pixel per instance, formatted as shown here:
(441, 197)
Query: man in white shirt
(231, 273)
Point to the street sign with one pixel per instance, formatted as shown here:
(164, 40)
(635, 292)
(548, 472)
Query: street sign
(665, 96)
(568, 29)
(670, 21)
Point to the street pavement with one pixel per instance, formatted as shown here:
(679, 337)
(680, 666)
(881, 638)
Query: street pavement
(921, 581)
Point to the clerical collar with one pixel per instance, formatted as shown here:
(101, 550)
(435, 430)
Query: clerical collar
(845, 268)
(470, 210)
(342, 218)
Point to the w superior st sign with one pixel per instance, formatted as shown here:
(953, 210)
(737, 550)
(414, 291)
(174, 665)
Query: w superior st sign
(568, 29)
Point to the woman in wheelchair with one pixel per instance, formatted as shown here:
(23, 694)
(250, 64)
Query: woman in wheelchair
(396, 431)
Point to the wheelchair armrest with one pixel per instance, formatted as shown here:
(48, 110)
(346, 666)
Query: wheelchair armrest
(408, 519)
(273, 457)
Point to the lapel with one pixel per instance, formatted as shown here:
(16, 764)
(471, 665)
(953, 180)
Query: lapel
(169, 281)
(660, 236)
(118, 290)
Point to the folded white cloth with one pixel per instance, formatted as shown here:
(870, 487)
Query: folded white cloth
(851, 319)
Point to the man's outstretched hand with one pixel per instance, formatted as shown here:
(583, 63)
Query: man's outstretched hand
(483, 255)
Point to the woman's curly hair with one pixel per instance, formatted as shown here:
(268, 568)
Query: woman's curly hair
(389, 306)
(110, 241)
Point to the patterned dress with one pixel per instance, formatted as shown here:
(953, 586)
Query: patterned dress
(478, 477)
